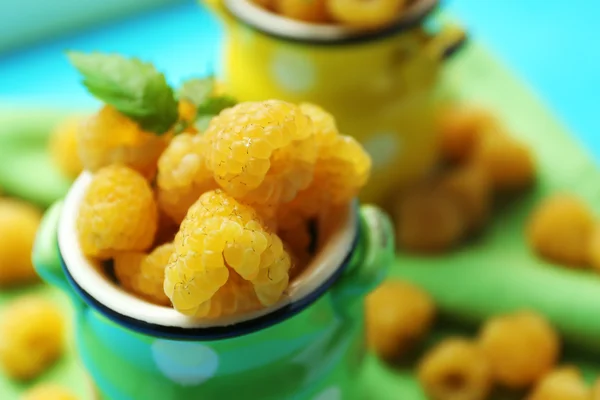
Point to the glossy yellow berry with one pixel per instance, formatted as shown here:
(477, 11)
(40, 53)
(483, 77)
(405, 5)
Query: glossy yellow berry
(324, 124)
(217, 234)
(344, 168)
(262, 152)
(109, 137)
(118, 213)
(593, 253)
(596, 390)
(183, 175)
(48, 391)
(470, 188)
(236, 297)
(560, 230)
(361, 13)
(341, 171)
(398, 315)
(63, 147)
(31, 337)
(424, 208)
(187, 113)
(509, 164)
(144, 274)
(18, 226)
(461, 129)
(455, 369)
(521, 347)
(564, 383)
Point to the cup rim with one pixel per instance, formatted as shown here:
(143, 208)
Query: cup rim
(147, 318)
(280, 27)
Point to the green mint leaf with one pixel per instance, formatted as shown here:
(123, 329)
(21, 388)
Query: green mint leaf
(202, 122)
(134, 88)
(214, 105)
(197, 90)
(210, 108)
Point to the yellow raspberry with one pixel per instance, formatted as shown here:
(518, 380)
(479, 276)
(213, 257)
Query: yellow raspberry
(361, 13)
(262, 152)
(118, 213)
(219, 233)
(560, 230)
(183, 175)
(470, 188)
(596, 389)
(48, 391)
(63, 147)
(109, 137)
(303, 10)
(521, 347)
(455, 369)
(398, 315)
(422, 208)
(273, 276)
(324, 124)
(144, 274)
(509, 164)
(342, 169)
(187, 112)
(564, 383)
(31, 337)
(461, 129)
(19, 222)
(236, 297)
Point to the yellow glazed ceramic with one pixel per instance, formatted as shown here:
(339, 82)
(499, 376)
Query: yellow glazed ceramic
(379, 85)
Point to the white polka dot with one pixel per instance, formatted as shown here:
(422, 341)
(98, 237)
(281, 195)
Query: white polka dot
(384, 148)
(185, 363)
(293, 71)
(331, 393)
(247, 35)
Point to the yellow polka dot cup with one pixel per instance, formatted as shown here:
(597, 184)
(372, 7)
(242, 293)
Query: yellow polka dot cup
(380, 85)
(307, 346)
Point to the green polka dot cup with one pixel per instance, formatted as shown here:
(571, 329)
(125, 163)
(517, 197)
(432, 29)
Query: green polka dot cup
(309, 345)
(381, 85)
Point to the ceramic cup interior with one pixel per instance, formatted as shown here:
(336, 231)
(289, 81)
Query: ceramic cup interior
(277, 25)
(337, 233)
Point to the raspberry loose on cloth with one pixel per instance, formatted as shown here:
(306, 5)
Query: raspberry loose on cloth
(498, 273)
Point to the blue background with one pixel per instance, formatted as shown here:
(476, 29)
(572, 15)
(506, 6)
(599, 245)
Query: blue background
(551, 44)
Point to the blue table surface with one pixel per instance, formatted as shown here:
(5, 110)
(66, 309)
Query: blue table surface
(550, 44)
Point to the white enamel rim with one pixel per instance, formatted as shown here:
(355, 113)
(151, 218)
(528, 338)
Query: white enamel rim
(274, 24)
(324, 266)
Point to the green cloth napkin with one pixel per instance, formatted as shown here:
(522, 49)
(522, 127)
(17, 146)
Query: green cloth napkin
(498, 273)
(26, 170)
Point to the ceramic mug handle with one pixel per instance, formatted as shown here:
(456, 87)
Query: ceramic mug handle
(446, 42)
(371, 261)
(46, 256)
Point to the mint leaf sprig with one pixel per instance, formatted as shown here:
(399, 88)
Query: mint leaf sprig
(200, 91)
(135, 88)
